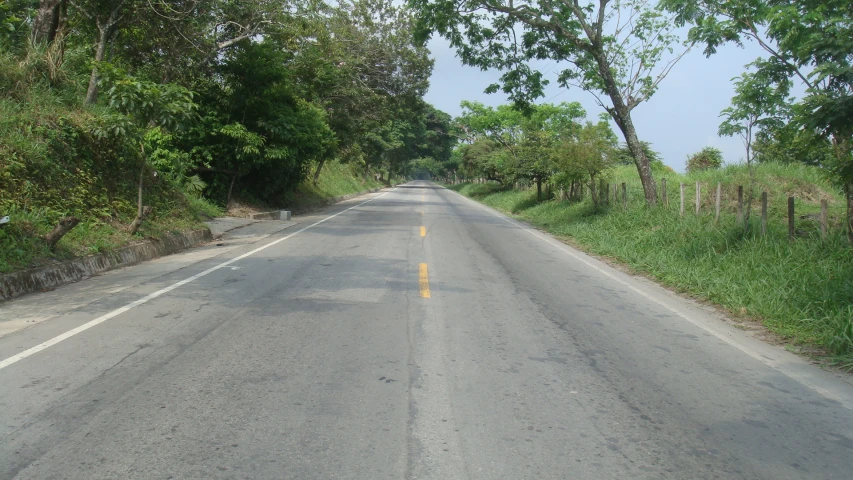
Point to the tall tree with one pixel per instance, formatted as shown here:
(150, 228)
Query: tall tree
(619, 51)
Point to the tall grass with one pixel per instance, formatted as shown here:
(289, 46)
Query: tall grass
(336, 180)
(801, 289)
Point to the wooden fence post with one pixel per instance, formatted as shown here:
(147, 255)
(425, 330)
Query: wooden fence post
(681, 209)
(717, 203)
(740, 204)
(624, 195)
(664, 200)
(698, 197)
(763, 213)
(791, 218)
(615, 194)
(606, 193)
(823, 207)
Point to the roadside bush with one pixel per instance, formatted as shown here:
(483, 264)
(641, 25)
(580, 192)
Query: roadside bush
(709, 158)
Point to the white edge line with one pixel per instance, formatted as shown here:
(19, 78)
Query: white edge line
(803, 379)
(103, 318)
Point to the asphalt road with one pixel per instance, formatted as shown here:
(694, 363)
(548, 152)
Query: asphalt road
(415, 336)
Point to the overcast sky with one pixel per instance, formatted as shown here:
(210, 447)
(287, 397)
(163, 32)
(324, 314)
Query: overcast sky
(680, 119)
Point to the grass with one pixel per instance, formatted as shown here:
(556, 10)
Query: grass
(49, 170)
(801, 290)
(336, 180)
(22, 247)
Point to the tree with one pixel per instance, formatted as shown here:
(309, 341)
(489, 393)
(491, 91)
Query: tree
(588, 154)
(106, 16)
(256, 128)
(359, 64)
(613, 51)
(809, 41)
(527, 138)
(148, 105)
(787, 143)
(757, 104)
(709, 158)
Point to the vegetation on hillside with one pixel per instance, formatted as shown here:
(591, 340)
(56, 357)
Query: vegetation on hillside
(138, 117)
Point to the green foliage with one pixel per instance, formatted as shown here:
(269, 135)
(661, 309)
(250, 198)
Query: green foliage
(709, 158)
(256, 127)
(587, 156)
(191, 98)
(788, 144)
(507, 37)
(625, 157)
(149, 104)
(13, 15)
(509, 144)
(810, 42)
(618, 51)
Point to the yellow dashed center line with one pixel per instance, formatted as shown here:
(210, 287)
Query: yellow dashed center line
(423, 231)
(423, 276)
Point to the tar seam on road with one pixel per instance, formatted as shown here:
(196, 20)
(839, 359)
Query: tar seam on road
(730, 341)
(423, 278)
(53, 341)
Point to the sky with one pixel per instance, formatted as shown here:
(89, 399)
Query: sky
(681, 118)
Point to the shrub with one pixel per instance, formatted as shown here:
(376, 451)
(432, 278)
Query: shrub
(709, 158)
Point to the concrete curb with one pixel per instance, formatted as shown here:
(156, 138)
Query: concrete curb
(45, 278)
(273, 215)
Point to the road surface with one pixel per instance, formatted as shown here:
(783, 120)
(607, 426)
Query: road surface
(408, 334)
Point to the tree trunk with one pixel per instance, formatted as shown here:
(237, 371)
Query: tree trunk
(65, 225)
(850, 212)
(593, 191)
(100, 54)
(137, 222)
(621, 114)
(538, 189)
(317, 171)
(636, 147)
(141, 180)
(47, 21)
(230, 189)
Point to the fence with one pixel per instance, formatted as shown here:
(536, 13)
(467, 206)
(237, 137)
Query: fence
(830, 217)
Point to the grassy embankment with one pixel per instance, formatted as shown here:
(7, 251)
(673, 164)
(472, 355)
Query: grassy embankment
(49, 170)
(52, 167)
(336, 180)
(801, 290)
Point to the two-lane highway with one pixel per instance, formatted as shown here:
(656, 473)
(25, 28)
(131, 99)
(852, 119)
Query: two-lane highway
(410, 334)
